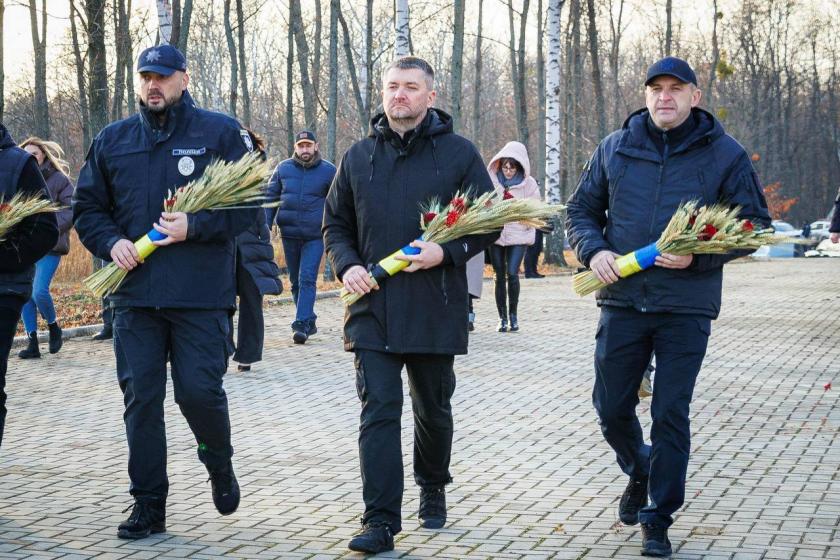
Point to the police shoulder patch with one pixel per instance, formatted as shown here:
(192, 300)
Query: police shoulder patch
(246, 139)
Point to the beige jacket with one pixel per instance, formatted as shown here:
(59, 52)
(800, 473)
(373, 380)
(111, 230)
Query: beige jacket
(515, 233)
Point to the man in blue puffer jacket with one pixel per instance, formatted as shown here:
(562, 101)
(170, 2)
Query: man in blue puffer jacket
(301, 184)
(664, 155)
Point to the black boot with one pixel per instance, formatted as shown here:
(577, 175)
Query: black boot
(225, 490)
(55, 337)
(514, 323)
(311, 328)
(148, 515)
(373, 539)
(299, 332)
(655, 541)
(502, 327)
(635, 497)
(432, 512)
(31, 350)
(107, 333)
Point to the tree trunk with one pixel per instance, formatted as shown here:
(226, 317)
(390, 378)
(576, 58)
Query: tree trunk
(122, 74)
(39, 46)
(243, 75)
(164, 22)
(184, 31)
(367, 79)
(351, 68)
(309, 111)
(401, 29)
(98, 69)
(668, 28)
(80, 75)
(600, 109)
(524, 130)
(316, 53)
(129, 62)
(541, 100)
(476, 112)
(514, 71)
(290, 69)
(176, 22)
(2, 71)
(715, 56)
(332, 112)
(457, 65)
(616, 32)
(234, 64)
(553, 137)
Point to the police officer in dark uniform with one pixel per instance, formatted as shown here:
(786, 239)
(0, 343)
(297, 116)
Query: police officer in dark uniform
(174, 306)
(24, 245)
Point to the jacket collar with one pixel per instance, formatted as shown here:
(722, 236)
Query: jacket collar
(635, 138)
(178, 113)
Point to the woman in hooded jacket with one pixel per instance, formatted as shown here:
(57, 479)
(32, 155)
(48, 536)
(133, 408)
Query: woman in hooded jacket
(510, 171)
(55, 170)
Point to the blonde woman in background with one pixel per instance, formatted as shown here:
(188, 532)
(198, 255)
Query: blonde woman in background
(55, 170)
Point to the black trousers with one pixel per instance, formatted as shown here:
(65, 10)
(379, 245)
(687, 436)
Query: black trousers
(532, 254)
(107, 312)
(250, 334)
(623, 346)
(431, 382)
(10, 307)
(196, 342)
(506, 262)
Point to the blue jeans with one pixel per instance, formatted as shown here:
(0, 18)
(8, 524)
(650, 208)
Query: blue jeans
(44, 272)
(303, 258)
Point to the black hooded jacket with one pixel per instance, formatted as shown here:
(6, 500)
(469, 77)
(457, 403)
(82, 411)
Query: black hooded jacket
(373, 209)
(33, 237)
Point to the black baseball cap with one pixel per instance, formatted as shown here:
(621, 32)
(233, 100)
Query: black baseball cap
(161, 59)
(304, 136)
(671, 66)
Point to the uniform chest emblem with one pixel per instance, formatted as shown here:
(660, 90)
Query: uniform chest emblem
(186, 166)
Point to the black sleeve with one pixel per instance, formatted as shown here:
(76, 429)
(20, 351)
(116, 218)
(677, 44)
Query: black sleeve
(835, 218)
(34, 236)
(339, 226)
(586, 210)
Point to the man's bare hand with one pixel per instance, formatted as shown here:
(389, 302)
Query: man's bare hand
(124, 254)
(604, 267)
(676, 262)
(174, 226)
(835, 237)
(431, 255)
(357, 280)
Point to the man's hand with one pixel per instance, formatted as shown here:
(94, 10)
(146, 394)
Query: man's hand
(124, 254)
(357, 280)
(174, 225)
(431, 255)
(604, 267)
(835, 237)
(676, 262)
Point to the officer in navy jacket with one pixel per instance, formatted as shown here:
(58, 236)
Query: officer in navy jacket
(23, 246)
(173, 307)
(669, 153)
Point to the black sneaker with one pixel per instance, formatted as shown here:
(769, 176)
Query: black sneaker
(147, 516)
(299, 329)
(432, 512)
(635, 497)
(373, 539)
(107, 333)
(655, 540)
(311, 328)
(225, 490)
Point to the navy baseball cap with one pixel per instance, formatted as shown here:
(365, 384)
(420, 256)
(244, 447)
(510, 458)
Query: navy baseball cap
(162, 59)
(305, 136)
(671, 66)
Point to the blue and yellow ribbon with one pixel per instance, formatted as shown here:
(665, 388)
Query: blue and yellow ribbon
(144, 245)
(638, 260)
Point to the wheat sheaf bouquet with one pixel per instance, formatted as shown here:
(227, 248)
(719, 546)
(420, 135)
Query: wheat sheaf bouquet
(19, 207)
(693, 229)
(464, 215)
(223, 186)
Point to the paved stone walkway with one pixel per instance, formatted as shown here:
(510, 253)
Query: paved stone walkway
(533, 477)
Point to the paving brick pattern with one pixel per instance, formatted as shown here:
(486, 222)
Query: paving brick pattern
(533, 477)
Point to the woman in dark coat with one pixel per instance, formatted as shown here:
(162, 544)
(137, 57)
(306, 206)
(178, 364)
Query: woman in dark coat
(55, 170)
(256, 275)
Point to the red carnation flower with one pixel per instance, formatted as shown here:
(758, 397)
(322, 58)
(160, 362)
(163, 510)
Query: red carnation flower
(5, 207)
(458, 204)
(169, 203)
(747, 226)
(692, 220)
(452, 217)
(708, 232)
(507, 196)
(429, 216)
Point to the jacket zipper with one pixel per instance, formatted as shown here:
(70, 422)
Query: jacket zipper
(653, 213)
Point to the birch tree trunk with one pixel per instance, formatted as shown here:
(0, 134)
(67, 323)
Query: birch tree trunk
(457, 64)
(39, 46)
(401, 29)
(553, 153)
(164, 12)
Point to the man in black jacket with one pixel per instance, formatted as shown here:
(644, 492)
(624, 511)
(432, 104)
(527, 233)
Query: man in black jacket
(417, 318)
(669, 153)
(23, 246)
(174, 306)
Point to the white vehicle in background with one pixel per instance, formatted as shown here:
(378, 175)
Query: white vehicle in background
(784, 229)
(819, 230)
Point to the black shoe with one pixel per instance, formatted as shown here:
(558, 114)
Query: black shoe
(635, 497)
(514, 323)
(225, 490)
(373, 539)
(655, 540)
(147, 516)
(471, 322)
(242, 368)
(31, 350)
(311, 328)
(107, 333)
(55, 337)
(502, 327)
(536, 275)
(432, 512)
(299, 332)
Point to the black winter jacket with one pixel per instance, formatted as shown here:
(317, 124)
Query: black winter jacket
(33, 237)
(130, 166)
(256, 255)
(373, 209)
(628, 193)
(60, 189)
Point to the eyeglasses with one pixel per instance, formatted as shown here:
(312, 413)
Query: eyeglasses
(509, 167)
